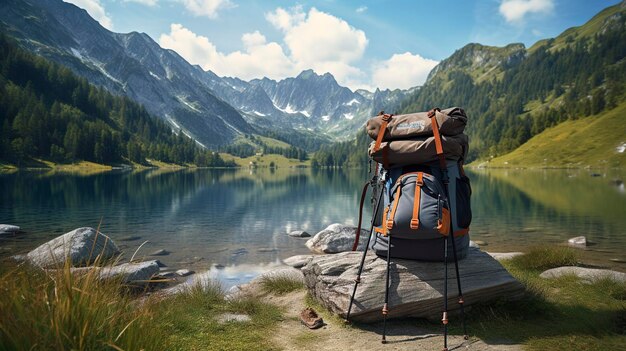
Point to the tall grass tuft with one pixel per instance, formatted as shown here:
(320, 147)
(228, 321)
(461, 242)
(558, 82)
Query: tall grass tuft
(545, 257)
(58, 310)
(280, 285)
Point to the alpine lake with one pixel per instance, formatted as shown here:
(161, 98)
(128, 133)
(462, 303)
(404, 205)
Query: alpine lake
(234, 223)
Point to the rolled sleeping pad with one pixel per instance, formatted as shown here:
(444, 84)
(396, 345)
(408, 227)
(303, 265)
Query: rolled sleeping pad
(451, 121)
(421, 150)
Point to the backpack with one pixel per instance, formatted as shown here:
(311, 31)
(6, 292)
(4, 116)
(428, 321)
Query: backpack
(415, 210)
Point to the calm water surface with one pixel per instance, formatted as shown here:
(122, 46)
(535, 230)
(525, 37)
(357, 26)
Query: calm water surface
(239, 218)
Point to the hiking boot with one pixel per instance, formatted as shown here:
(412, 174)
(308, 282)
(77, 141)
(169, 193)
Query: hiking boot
(310, 318)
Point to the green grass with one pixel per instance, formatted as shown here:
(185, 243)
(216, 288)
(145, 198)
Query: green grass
(556, 314)
(190, 322)
(590, 141)
(264, 161)
(59, 311)
(545, 257)
(280, 285)
(56, 310)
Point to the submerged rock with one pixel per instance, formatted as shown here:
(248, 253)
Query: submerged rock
(81, 246)
(8, 229)
(184, 272)
(586, 274)
(161, 252)
(336, 238)
(416, 286)
(299, 234)
(579, 241)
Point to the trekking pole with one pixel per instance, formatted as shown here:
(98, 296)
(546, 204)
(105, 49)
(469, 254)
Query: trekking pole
(444, 319)
(456, 260)
(381, 179)
(444, 170)
(386, 306)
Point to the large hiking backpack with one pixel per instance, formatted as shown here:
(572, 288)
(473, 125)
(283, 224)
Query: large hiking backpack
(415, 210)
(424, 203)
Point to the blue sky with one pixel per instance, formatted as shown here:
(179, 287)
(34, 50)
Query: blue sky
(364, 44)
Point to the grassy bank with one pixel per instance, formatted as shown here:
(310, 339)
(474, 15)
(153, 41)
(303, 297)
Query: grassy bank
(41, 311)
(587, 142)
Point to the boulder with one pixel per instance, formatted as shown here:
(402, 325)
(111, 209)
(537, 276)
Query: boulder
(416, 286)
(131, 273)
(336, 238)
(579, 241)
(589, 275)
(299, 234)
(298, 261)
(504, 255)
(8, 229)
(81, 246)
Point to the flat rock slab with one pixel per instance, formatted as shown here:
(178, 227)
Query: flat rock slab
(586, 274)
(416, 286)
(232, 317)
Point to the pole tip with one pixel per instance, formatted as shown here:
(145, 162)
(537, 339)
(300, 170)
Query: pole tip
(383, 341)
(466, 337)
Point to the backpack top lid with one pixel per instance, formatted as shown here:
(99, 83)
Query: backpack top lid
(451, 122)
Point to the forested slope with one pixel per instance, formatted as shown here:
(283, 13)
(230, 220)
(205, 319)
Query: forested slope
(46, 112)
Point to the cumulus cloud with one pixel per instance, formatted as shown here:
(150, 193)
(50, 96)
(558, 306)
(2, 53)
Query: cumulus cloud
(514, 11)
(259, 58)
(150, 3)
(320, 41)
(95, 10)
(208, 8)
(312, 40)
(402, 71)
(286, 19)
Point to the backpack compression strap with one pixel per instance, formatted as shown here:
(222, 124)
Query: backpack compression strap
(438, 146)
(379, 139)
(419, 182)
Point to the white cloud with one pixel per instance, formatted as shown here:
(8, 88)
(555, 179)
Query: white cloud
(208, 8)
(313, 40)
(514, 11)
(320, 41)
(402, 71)
(260, 59)
(95, 10)
(285, 19)
(144, 2)
(361, 9)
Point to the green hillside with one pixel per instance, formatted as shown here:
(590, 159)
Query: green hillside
(592, 141)
(49, 114)
(512, 94)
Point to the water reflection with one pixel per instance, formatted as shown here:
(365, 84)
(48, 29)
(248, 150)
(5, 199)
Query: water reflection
(239, 217)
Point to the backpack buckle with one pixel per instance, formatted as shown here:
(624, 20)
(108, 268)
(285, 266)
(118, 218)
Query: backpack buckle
(387, 117)
(415, 223)
(389, 224)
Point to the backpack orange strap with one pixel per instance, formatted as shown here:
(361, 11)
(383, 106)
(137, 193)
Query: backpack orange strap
(438, 145)
(395, 206)
(379, 139)
(419, 182)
